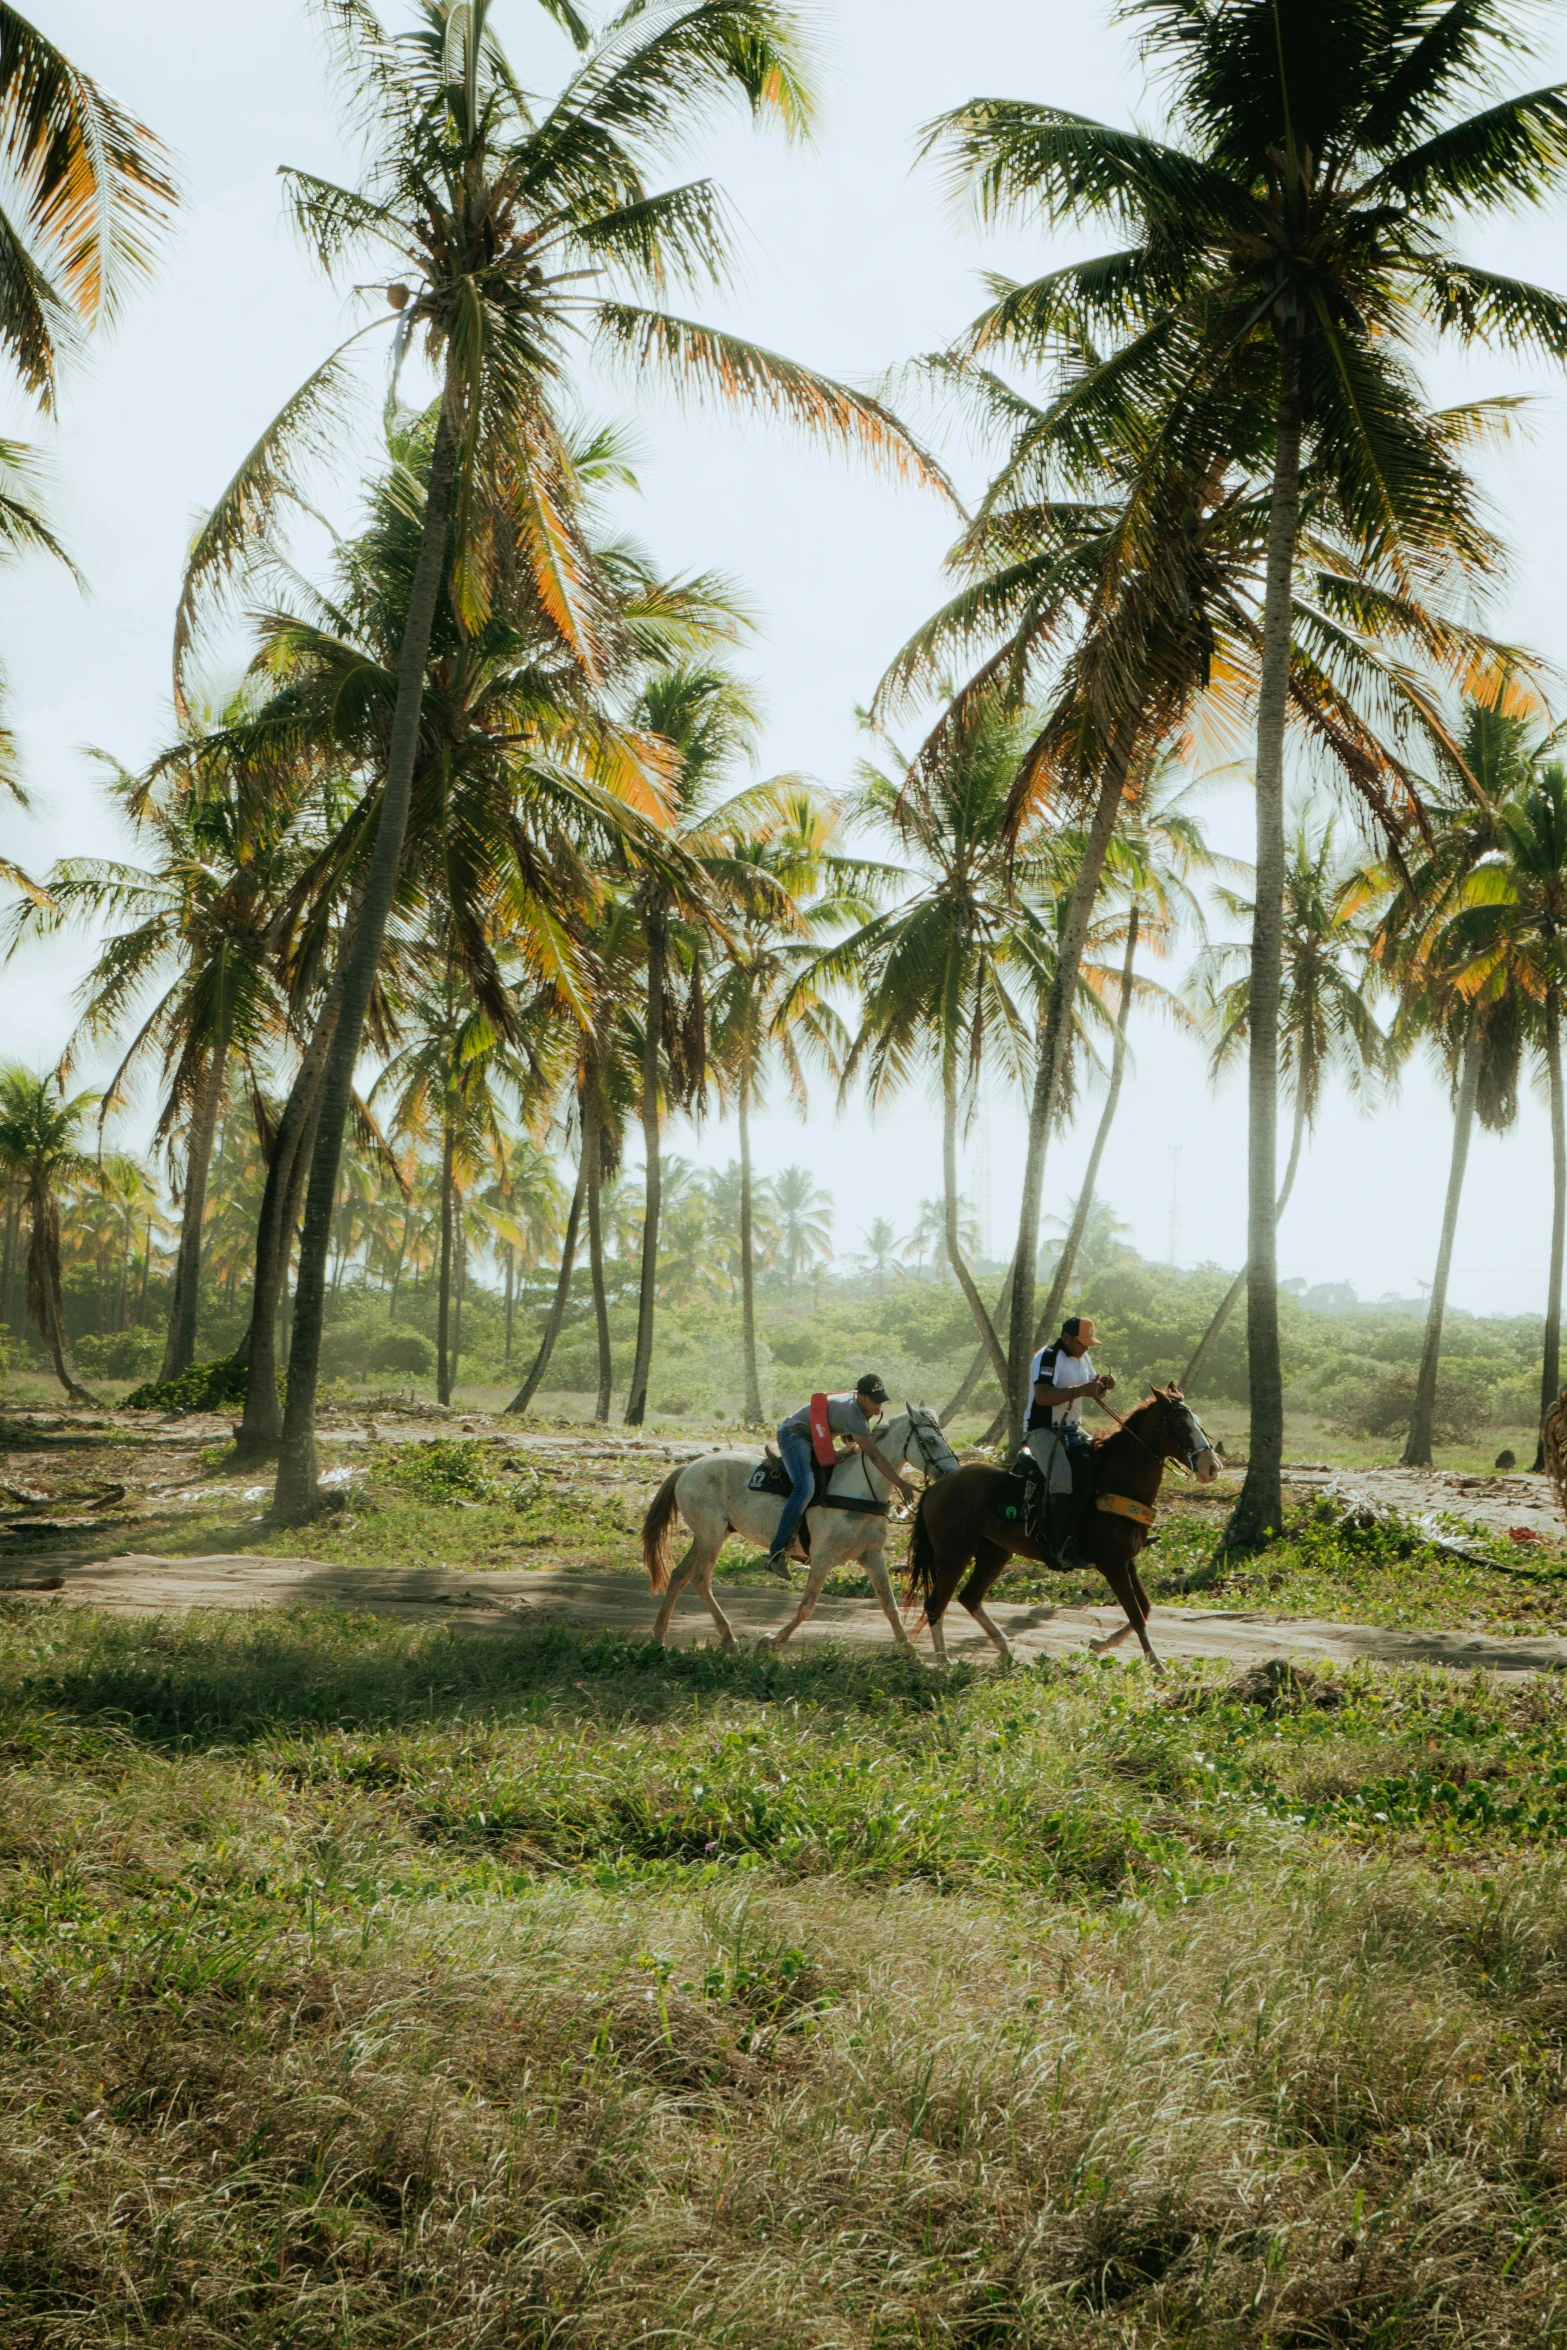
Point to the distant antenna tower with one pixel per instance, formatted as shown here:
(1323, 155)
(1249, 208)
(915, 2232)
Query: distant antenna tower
(982, 1184)
(1175, 1203)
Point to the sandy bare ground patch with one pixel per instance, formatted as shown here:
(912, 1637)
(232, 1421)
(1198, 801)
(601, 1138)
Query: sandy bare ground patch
(135, 1585)
(1496, 1500)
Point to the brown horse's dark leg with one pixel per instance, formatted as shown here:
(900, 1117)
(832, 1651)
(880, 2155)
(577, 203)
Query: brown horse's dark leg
(989, 1559)
(946, 1575)
(1124, 1581)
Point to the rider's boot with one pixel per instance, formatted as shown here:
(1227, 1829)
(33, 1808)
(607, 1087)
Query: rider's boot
(1063, 1528)
(778, 1564)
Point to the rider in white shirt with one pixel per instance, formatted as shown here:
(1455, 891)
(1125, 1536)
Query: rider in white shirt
(1062, 1374)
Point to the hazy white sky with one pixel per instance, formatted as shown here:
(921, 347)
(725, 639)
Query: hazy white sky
(853, 262)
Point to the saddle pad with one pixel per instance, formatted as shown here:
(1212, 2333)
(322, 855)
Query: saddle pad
(769, 1477)
(1121, 1505)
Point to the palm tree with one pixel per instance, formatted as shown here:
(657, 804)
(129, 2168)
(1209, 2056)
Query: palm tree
(1290, 254)
(497, 220)
(929, 1236)
(795, 888)
(1506, 945)
(89, 195)
(709, 718)
(881, 1252)
(1326, 1025)
(942, 973)
(41, 1148)
(195, 926)
(1475, 1030)
(804, 1216)
(448, 1082)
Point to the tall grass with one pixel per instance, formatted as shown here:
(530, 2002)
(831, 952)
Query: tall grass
(367, 1986)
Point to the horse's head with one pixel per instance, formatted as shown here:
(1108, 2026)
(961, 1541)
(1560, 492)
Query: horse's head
(1181, 1435)
(923, 1445)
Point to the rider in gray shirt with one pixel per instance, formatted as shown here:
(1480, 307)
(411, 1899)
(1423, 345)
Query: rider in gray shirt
(847, 1415)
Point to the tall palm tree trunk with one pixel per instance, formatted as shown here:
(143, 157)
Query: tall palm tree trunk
(981, 1363)
(45, 1295)
(1050, 1315)
(1417, 1447)
(511, 1277)
(179, 1347)
(593, 1149)
(1232, 1296)
(1259, 1510)
(295, 1498)
(460, 1212)
(8, 1256)
(557, 1313)
(443, 1310)
(1551, 1372)
(949, 1203)
(753, 1384)
(1049, 1320)
(1051, 1067)
(652, 1154)
(260, 1431)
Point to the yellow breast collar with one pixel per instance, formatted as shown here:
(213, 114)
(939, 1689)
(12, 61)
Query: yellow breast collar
(1120, 1505)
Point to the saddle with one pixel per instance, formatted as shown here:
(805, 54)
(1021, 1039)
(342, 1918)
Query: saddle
(770, 1476)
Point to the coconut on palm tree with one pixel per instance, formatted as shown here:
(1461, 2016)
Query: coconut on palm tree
(1286, 253)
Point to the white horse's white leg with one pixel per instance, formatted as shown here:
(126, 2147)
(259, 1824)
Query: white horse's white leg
(672, 1590)
(819, 1573)
(993, 1632)
(726, 1630)
(875, 1563)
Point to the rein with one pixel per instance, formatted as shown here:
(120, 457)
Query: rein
(1127, 1430)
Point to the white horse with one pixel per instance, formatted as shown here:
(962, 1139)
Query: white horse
(714, 1497)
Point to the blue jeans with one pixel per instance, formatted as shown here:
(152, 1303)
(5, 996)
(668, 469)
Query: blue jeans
(795, 1452)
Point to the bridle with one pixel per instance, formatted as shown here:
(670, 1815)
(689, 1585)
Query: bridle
(1190, 1467)
(929, 1462)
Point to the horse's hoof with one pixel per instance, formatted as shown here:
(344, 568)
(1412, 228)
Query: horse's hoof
(767, 1640)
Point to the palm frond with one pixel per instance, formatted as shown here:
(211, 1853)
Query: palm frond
(705, 362)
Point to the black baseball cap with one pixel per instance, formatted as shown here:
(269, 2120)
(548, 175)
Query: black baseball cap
(870, 1385)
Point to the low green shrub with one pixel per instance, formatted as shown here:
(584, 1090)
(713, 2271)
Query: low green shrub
(407, 1351)
(119, 1354)
(205, 1387)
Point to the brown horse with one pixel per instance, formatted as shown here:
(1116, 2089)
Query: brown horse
(973, 1519)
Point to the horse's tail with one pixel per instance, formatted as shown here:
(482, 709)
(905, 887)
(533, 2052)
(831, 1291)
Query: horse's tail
(922, 1558)
(656, 1527)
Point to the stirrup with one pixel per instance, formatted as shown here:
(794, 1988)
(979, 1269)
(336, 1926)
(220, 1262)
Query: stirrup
(1071, 1556)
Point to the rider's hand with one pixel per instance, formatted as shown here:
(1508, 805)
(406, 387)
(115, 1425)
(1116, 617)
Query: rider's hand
(906, 1489)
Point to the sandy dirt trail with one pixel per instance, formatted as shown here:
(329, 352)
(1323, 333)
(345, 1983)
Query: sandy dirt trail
(143, 1583)
(621, 1604)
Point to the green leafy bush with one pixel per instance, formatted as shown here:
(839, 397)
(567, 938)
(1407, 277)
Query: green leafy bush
(205, 1387)
(119, 1354)
(447, 1469)
(407, 1351)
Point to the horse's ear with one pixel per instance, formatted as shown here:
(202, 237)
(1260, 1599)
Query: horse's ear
(1174, 1393)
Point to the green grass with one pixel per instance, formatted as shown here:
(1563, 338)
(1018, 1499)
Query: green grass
(365, 1985)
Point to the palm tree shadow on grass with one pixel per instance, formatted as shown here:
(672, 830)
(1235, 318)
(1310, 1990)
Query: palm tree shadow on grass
(196, 1685)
